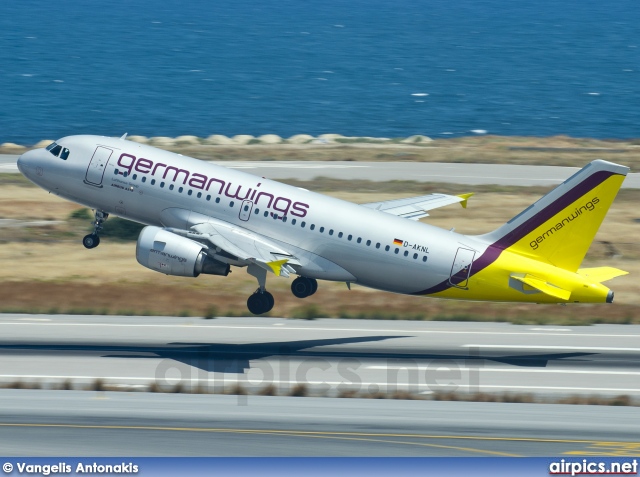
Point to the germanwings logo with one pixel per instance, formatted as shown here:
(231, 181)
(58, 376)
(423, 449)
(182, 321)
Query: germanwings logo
(283, 205)
(588, 207)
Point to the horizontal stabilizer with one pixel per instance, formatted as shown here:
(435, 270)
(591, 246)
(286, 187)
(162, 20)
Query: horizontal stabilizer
(543, 286)
(601, 274)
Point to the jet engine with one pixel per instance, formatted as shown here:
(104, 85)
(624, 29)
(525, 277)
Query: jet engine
(171, 254)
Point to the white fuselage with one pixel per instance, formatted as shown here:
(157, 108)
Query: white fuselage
(346, 241)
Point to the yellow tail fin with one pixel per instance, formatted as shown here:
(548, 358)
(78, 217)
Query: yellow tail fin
(559, 228)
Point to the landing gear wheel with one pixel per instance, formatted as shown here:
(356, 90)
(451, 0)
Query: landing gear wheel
(260, 302)
(91, 241)
(303, 287)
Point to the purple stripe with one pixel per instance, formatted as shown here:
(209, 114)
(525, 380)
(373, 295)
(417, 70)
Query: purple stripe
(494, 250)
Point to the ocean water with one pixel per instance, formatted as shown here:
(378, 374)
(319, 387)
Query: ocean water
(357, 68)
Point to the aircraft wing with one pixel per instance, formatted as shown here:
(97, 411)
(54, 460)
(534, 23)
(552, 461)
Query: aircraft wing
(241, 247)
(415, 207)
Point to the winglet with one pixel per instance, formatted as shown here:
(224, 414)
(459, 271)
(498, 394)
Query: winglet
(276, 266)
(465, 198)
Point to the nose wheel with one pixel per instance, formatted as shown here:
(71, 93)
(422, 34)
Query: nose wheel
(93, 240)
(303, 287)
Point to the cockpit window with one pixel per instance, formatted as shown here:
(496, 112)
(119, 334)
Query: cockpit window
(56, 150)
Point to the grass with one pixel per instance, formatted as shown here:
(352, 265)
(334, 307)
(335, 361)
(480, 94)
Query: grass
(302, 390)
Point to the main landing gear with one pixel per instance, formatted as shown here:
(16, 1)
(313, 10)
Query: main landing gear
(262, 301)
(302, 287)
(93, 240)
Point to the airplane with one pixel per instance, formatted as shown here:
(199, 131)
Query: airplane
(203, 218)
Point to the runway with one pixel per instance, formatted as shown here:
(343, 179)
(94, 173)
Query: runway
(75, 423)
(469, 174)
(329, 356)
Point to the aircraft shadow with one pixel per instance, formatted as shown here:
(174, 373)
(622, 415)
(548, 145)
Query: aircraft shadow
(236, 358)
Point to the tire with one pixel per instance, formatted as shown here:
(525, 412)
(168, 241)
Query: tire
(302, 287)
(91, 241)
(260, 303)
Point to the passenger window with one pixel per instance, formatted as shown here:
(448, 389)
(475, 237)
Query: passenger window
(293, 222)
(349, 238)
(134, 177)
(171, 187)
(284, 219)
(144, 179)
(266, 213)
(424, 259)
(153, 182)
(217, 200)
(65, 154)
(340, 235)
(199, 194)
(302, 224)
(190, 192)
(406, 253)
(313, 226)
(386, 249)
(257, 211)
(321, 229)
(378, 245)
(368, 242)
(397, 250)
(161, 184)
(180, 190)
(415, 255)
(331, 232)
(208, 197)
(359, 240)
(231, 204)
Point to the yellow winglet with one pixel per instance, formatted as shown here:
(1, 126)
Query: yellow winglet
(276, 266)
(544, 286)
(465, 198)
(601, 274)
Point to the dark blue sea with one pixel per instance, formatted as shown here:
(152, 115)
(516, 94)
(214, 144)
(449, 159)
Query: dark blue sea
(442, 68)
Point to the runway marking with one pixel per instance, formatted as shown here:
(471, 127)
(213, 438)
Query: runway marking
(323, 433)
(542, 347)
(508, 370)
(311, 328)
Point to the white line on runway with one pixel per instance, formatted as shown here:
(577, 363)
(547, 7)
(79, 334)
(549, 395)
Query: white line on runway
(543, 347)
(505, 370)
(9, 166)
(358, 330)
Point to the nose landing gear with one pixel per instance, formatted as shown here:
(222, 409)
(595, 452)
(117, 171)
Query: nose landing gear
(93, 240)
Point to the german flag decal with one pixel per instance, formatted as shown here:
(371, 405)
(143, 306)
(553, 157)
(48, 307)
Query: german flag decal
(397, 242)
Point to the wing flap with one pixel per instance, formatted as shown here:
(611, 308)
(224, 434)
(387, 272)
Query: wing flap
(416, 207)
(543, 286)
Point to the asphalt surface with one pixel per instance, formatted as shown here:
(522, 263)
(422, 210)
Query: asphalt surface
(470, 174)
(77, 423)
(328, 356)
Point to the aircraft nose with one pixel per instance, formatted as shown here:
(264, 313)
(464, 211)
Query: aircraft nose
(24, 162)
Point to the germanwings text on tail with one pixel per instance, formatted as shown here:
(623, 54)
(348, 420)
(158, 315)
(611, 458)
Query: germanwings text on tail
(204, 219)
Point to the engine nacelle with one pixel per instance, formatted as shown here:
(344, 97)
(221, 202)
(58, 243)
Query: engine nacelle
(171, 254)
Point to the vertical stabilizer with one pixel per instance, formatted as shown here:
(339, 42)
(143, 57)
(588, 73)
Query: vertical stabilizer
(559, 228)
